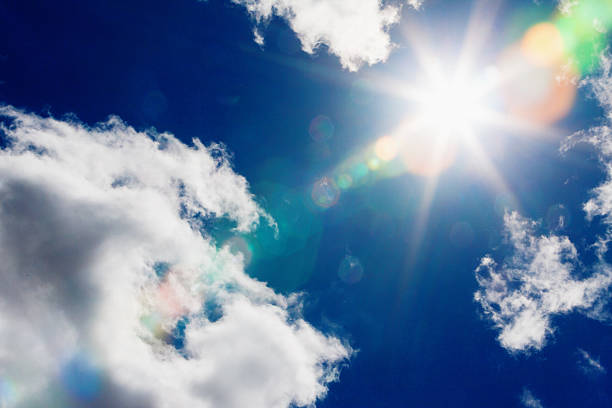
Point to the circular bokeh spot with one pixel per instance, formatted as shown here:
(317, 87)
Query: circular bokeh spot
(543, 44)
(325, 193)
(542, 91)
(153, 322)
(386, 148)
(350, 270)
(373, 163)
(321, 128)
(359, 173)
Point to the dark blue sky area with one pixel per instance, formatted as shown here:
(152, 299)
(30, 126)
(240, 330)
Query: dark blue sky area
(192, 69)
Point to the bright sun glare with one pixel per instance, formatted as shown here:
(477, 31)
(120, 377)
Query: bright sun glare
(521, 90)
(449, 107)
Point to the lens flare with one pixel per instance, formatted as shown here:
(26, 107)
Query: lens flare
(543, 44)
(543, 69)
(344, 181)
(373, 163)
(386, 148)
(584, 32)
(167, 298)
(170, 301)
(359, 172)
(527, 87)
(153, 322)
(428, 156)
(534, 91)
(325, 193)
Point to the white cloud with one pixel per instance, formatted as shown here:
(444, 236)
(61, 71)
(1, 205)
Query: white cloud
(534, 284)
(416, 4)
(566, 6)
(104, 259)
(600, 204)
(356, 31)
(589, 364)
(258, 38)
(529, 400)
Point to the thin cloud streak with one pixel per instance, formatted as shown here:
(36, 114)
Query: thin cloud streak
(590, 364)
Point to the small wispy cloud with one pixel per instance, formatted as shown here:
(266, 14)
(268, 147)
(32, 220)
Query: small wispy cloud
(356, 31)
(258, 38)
(536, 282)
(529, 400)
(589, 364)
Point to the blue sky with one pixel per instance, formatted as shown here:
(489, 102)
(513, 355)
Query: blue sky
(331, 203)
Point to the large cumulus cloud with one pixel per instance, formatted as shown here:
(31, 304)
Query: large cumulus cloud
(113, 294)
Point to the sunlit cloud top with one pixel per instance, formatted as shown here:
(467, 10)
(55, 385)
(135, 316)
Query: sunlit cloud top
(114, 293)
(356, 31)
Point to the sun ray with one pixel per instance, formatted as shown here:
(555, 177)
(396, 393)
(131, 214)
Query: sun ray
(518, 126)
(419, 43)
(422, 215)
(479, 27)
(488, 169)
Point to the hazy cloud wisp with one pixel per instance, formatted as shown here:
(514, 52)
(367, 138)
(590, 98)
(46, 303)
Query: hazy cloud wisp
(529, 400)
(590, 364)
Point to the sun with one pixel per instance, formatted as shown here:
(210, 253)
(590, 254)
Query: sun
(450, 107)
